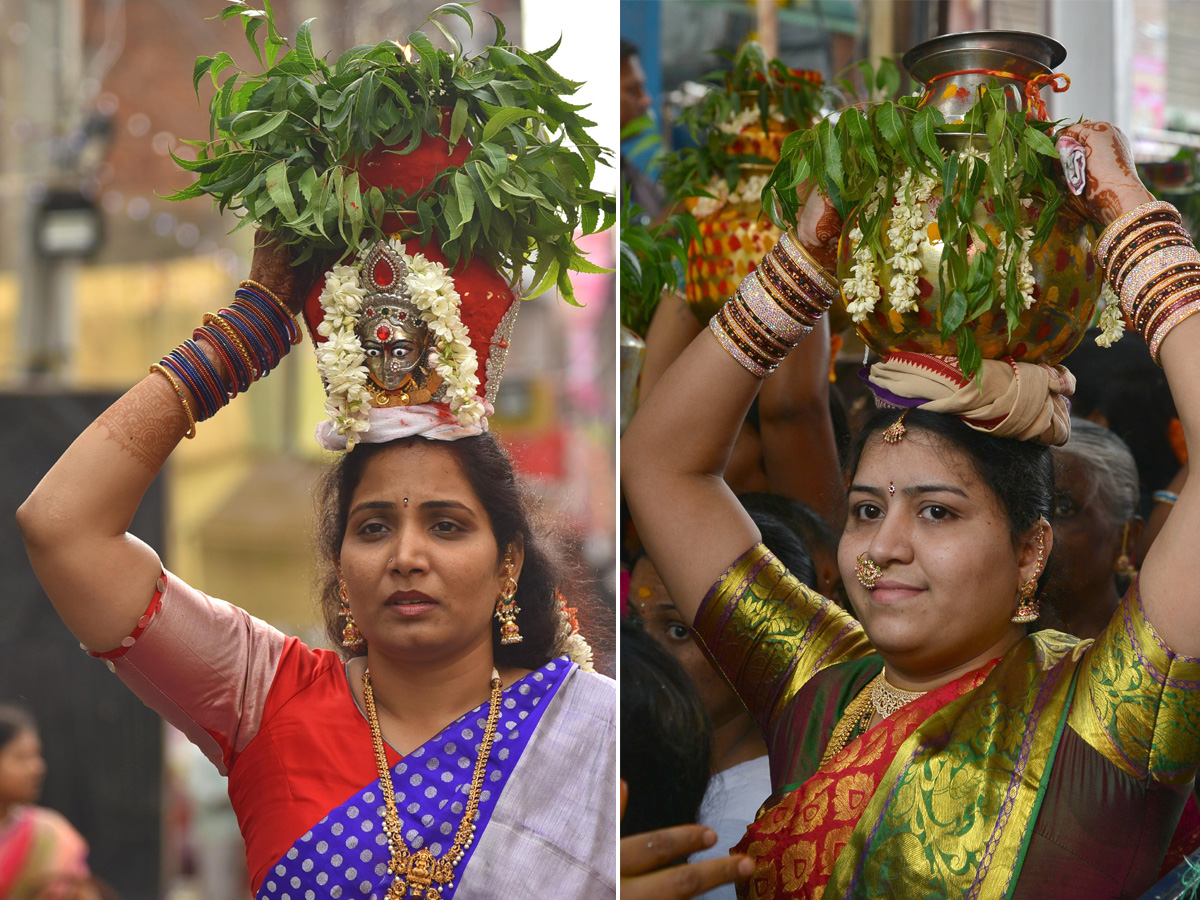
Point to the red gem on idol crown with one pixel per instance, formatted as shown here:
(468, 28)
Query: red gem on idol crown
(383, 333)
(383, 273)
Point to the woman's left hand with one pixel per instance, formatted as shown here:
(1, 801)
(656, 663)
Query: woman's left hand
(272, 267)
(1112, 187)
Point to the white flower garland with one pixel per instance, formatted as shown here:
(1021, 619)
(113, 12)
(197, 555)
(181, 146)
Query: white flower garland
(342, 361)
(907, 233)
(1112, 324)
(742, 119)
(861, 289)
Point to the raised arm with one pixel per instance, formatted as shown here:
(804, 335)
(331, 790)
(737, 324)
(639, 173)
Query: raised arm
(799, 446)
(99, 577)
(675, 450)
(1171, 570)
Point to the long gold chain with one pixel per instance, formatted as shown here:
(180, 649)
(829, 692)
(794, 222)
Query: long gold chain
(422, 874)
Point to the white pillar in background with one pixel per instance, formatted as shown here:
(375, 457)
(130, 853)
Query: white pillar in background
(1088, 29)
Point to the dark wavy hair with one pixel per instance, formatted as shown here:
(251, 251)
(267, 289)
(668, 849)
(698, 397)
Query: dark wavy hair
(1019, 473)
(666, 735)
(515, 515)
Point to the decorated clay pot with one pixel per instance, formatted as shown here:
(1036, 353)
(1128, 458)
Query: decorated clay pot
(489, 305)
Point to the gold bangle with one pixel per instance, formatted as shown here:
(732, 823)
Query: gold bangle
(187, 410)
(791, 246)
(1151, 238)
(230, 332)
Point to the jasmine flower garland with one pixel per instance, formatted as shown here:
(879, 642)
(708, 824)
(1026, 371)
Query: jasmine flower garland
(1112, 325)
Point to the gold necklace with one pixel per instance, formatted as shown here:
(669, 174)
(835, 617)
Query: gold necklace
(417, 872)
(887, 698)
(879, 696)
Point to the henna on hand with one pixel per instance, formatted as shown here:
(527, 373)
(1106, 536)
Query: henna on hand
(819, 228)
(272, 267)
(1113, 186)
(147, 422)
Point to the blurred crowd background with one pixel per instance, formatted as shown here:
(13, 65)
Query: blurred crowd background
(99, 276)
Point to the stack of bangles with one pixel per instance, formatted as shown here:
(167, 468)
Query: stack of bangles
(250, 337)
(1150, 262)
(774, 308)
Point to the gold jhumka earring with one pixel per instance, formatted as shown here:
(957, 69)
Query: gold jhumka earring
(506, 606)
(867, 570)
(352, 638)
(1124, 565)
(1029, 609)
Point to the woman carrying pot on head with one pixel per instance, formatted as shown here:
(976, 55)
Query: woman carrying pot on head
(422, 755)
(929, 746)
(426, 755)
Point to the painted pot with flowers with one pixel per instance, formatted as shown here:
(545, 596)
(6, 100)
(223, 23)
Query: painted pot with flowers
(739, 129)
(423, 182)
(957, 238)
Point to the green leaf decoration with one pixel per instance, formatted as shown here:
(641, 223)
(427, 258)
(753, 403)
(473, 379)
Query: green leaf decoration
(752, 83)
(283, 142)
(652, 259)
(853, 157)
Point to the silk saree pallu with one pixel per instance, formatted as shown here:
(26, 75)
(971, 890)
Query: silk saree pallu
(796, 842)
(346, 854)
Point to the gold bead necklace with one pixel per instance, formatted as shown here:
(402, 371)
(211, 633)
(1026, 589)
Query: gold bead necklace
(417, 873)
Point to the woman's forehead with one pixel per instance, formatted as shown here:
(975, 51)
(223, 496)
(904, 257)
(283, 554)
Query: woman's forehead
(920, 458)
(417, 469)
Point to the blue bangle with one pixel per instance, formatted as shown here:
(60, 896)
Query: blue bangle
(193, 382)
(242, 322)
(257, 309)
(283, 322)
(1166, 497)
(237, 366)
(201, 387)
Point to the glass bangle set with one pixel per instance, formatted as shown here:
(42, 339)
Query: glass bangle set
(1150, 262)
(250, 337)
(774, 308)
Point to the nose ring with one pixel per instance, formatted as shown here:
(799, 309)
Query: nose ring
(867, 570)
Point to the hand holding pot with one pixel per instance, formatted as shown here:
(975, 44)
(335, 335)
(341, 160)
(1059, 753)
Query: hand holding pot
(272, 267)
(1112, 186)
(818, 227)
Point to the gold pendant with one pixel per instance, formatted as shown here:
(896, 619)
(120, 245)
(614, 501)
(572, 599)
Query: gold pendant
(415, 874)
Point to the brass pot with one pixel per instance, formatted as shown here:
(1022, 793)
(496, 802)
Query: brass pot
(1066, 285)
(1067, 279)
